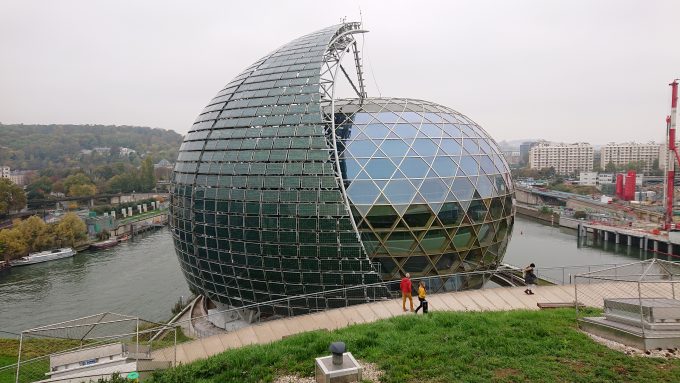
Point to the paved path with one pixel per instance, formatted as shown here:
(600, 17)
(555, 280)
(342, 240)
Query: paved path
(494, 299)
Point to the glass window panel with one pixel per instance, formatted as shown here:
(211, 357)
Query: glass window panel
(400, 243)
(451, 146)
(414, 167)
(362, 192)
(450, 213)
(376, 130)
(487, 165)
(382, 216)
(469, 165)
(434, 241)
(416, 264)
(399, 191)
(380, 168)
(425, 147)
(405, 130)
(394, 148)
(412, 117)
(434, 190)
(431, 130)
(444, 166)
(462, 188)
(362, 148)
(477, 211)
(484, 187)
(417, 215)
(463, 238)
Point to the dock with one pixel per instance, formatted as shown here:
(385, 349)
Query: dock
(645, 240)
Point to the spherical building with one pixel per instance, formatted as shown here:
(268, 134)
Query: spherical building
(282, 190)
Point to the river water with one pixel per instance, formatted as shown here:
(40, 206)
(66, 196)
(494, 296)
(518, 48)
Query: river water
(142, 277)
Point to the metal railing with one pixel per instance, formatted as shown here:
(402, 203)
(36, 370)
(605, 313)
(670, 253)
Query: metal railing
(348, 296)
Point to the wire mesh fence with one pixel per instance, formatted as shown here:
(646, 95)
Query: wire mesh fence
(639, 297)
(89, 348)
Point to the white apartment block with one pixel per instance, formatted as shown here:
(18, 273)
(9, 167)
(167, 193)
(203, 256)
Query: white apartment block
(4, 171)
(605, 178)
(565, 158)
(587, 178)
(625, 153)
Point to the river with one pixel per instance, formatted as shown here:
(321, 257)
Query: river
(138, 277)
(142, 277)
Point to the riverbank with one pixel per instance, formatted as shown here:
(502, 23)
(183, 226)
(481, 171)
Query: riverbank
(139, 277)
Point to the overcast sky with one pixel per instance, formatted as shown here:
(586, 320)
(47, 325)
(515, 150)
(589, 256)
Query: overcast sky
(568, 70)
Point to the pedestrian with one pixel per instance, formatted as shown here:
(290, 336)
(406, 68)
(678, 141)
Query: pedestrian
(406, 287)
(421, 297)
(530, 279)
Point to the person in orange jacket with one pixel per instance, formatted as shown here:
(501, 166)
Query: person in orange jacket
(406, 287)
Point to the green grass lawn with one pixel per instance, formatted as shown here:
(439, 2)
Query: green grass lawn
(31, 349)
(515, 346)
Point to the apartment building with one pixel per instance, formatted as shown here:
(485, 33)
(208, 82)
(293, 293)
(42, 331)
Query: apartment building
(565, 158)
(625, 153)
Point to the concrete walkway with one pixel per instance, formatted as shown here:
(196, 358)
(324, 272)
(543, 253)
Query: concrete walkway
(494, 299)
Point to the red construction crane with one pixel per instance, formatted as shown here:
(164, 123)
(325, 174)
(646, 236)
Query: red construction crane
(671, 156)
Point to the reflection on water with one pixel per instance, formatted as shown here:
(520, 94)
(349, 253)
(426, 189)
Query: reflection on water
(138, 277)
(549, 246)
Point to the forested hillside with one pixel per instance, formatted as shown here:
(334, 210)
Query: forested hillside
(40, 146)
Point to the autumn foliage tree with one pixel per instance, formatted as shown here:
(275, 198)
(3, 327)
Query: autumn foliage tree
(33, 235)
(12, 197)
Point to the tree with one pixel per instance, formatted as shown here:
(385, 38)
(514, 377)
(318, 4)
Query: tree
(79, 185)
(147, 176)
(82, 190)
(37, 235)
(12, 197)
(70, 230)
(39, 189)
(13, 244)
(610, 167)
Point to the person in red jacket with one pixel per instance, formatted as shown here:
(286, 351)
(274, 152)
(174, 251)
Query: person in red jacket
(405, 287)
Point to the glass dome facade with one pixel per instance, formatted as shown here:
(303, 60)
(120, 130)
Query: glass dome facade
(279, 190)
(428, 188)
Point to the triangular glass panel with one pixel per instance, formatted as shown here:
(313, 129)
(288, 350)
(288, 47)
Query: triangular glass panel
(394, 148)
(382, 199)
(400, 208)
(419, 199)
(401, 225)
(400, 243)
(414, 168)
(485, 187)
(477, 211)
(444, 166)
(382, 216)
(418, 215)
(362, 192)
(380, 168)
(362, 176)
(400, 191)
(416, 265)
(433, 189)
(463, 188)
(363, 209)
(463, 237)
(436, 206)
(424, 147)
(362, 148)
(434, 241)
(469, 165)
(381, 183)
